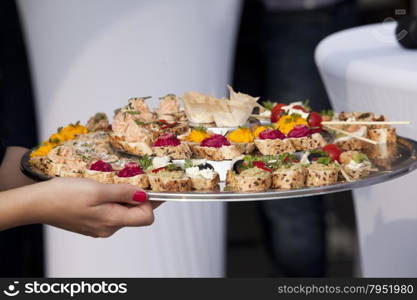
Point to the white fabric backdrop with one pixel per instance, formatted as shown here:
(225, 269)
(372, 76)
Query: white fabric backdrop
(92, 55)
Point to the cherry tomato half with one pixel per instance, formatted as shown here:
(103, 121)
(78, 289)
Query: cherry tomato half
(261, 165)
(314, 120)
(333, 151)
(276, 112)
(299, 107)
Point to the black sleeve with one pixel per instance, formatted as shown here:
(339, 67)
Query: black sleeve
(2, 151)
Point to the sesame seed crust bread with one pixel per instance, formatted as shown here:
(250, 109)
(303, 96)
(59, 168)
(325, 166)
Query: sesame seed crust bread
(289, 178)
(103, 177)
(319, 174)
(313, 141)
(42, 164)
(202, 184)
(222, 153)
(181, 151)
(141, 180)
(245, 148)
(350, 145)
(161, 183)
(258, 182)
(274, 147)
(137, 148)
(383, 135)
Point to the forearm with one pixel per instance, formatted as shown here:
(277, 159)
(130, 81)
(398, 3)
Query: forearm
(10, 174)
(22, 206)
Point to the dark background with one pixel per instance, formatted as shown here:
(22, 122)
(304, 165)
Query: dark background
(21, 249)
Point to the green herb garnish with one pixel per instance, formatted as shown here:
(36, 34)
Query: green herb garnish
(325, 160)
(306, 104)
(327, 112)
(359, 157)
(133, 112)
(145, 162)
(269, 105)
(364, 116)
(140, 123)
(172, 167)
(200, 128)
(188, 163)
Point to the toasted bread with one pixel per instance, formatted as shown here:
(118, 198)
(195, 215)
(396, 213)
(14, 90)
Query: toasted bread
(137, 148)
(259, 181)
(140, 181)
(181, 151)
(103, 177)
(386, 135)
(274, 147)
(311, 142)
(319, 174)
(289, 178)
(202, 184)
(222, 153)
(160, 182)
(245, 148)
(41, 164)
(350, 144)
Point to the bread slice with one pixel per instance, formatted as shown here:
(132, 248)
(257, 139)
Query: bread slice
(103, 177)
(140, 181)
(245, 148)
(169, 181)
(200, 183)
(357, 173)
(319, 174)
(136, 148)
(222, 153)
(274, 147)
(181, 151)
(351, 144)
(289, 178)
(41, 164)
(386, 135)
(311, 142)
(251, 180)
(352, 169)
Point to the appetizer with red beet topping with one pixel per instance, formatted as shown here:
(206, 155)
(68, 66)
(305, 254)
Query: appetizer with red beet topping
(133, 174)
(100, 171)
(273, 142)
(304, 138)
(216, 147)
(169, 145)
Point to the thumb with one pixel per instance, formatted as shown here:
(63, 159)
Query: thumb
(121, 193)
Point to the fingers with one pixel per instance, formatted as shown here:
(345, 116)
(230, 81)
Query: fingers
(121, 193)
(140, 215)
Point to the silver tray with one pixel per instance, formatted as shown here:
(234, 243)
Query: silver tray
(404, 163)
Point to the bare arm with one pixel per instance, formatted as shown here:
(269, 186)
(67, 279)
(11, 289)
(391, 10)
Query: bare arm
(79, 205)
(10, 174)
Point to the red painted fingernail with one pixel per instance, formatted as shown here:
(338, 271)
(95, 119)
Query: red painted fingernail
(140, 196)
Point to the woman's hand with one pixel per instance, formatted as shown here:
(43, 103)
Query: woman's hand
(79, 205)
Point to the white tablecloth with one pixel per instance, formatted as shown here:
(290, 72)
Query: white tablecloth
(364, 69)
